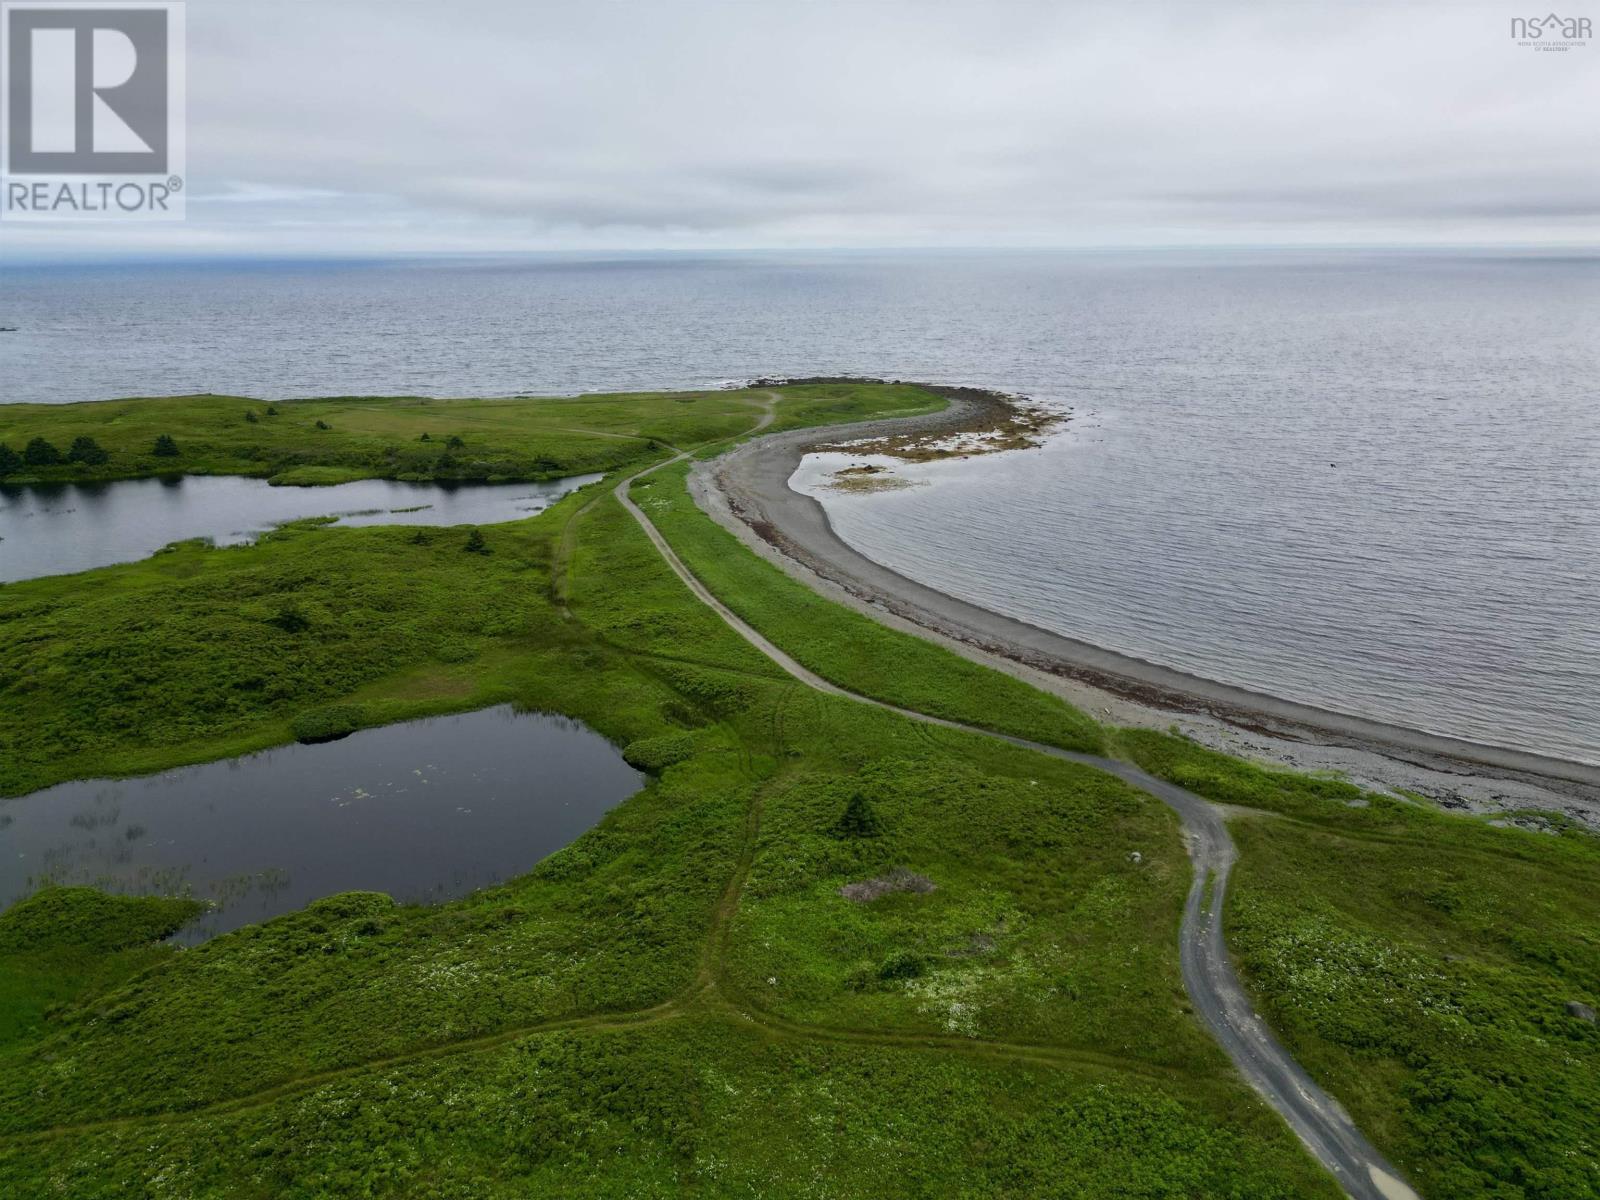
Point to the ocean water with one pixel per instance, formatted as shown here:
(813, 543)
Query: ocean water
(1365, 480)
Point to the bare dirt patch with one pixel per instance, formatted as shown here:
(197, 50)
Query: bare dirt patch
(897, 880)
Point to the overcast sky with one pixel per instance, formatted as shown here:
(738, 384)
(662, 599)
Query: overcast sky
(355, 127)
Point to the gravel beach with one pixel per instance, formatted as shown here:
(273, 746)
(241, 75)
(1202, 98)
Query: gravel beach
(747, 491)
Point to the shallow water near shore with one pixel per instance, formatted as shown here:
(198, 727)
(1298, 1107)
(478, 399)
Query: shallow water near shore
(56, 529)
(424, 810)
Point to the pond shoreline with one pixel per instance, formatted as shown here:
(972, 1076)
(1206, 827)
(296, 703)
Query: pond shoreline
(422, 810)
(62, 529)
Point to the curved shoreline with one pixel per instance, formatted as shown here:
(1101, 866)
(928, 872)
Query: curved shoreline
(747, 490)
(1209, 978)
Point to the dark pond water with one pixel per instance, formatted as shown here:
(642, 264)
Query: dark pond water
(425, 811)
(61, 528)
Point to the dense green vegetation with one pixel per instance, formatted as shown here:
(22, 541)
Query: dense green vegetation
(197, 652)
(703, 1106)
(827, 951)
(617, 996)
(62, 942)
(1421, 965)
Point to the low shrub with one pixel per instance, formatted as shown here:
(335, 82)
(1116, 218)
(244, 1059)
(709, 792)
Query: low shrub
(656, 754)
(328, 723)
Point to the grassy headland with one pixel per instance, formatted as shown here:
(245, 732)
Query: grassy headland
(683, 1000)
(686, 965)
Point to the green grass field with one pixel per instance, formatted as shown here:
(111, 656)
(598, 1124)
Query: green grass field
(313, 442)
(682, 1001)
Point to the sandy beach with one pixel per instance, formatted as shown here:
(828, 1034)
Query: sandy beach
(747, 491)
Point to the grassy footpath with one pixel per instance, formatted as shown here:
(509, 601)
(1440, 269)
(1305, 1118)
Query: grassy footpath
(199, 653)
(681, 1000)
(702, 1106)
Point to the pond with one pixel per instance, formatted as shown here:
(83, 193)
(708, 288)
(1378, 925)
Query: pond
(56, 529)
(424, 810)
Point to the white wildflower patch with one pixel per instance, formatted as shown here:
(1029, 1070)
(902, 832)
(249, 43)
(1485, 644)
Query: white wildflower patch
(959, 994)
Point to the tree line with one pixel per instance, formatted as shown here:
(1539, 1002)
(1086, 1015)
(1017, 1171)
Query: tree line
(84, 451)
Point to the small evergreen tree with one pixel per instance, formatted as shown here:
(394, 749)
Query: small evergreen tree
(858, 820)
(424, 438)
(475, 543)
(455, 443)
(10, 460)
(323, 425)
(87, 451)
(249, 415)
(272, 410)
(165, 447)
(40, 453)
(290, 619)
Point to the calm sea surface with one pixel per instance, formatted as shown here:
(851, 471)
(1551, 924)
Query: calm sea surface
(1369, 481)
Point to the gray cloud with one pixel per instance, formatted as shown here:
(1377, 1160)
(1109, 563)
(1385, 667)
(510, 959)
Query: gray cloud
(368, 126)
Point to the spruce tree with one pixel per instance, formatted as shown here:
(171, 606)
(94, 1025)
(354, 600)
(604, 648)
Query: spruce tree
(858, 819)
(87, 451)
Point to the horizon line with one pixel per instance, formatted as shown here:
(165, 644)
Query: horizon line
(13, 260)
